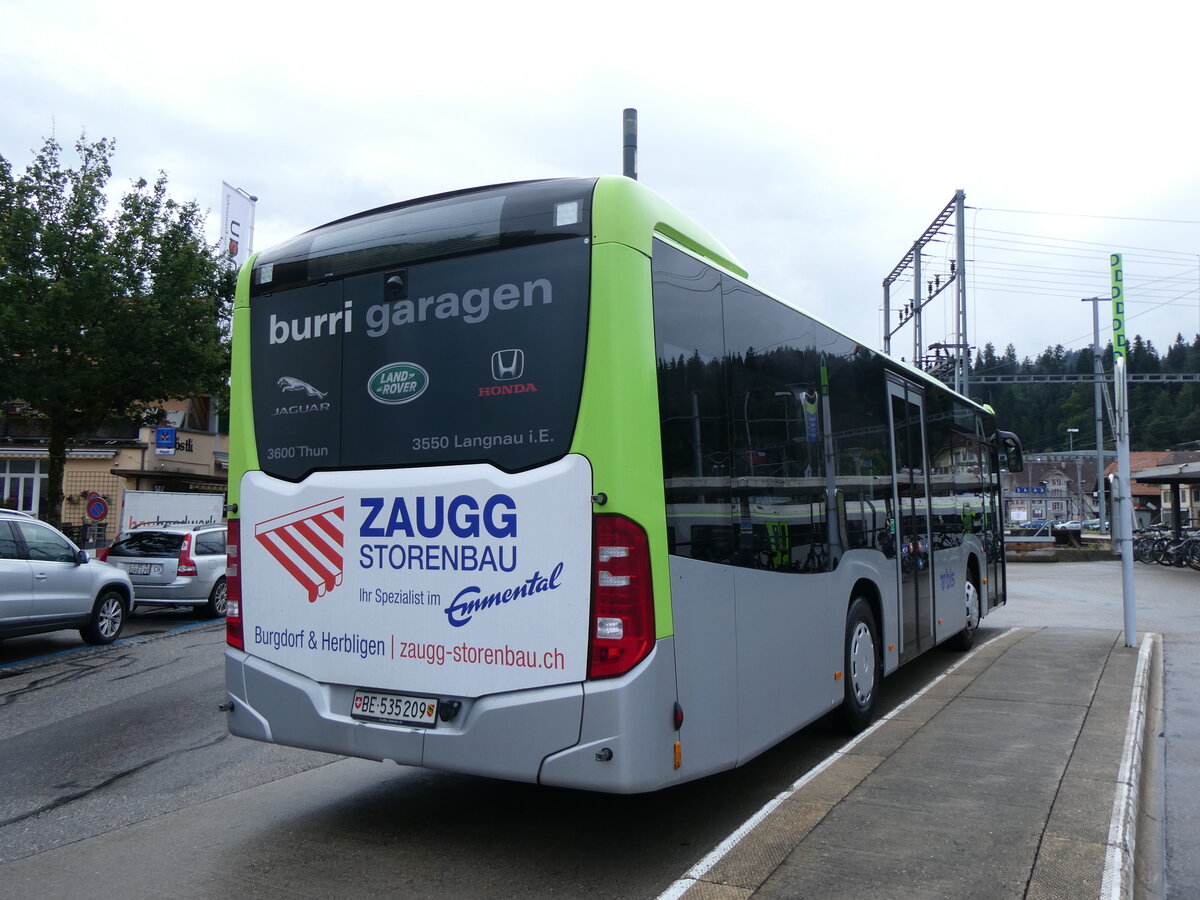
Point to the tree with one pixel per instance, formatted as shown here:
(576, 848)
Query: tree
(102, 316)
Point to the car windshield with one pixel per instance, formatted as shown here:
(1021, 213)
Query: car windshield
(147, 543)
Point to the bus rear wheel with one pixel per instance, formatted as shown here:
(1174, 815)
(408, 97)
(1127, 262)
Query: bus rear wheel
(863, 672)
(966, 638)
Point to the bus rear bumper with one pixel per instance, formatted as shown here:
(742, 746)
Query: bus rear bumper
(499, 736)
(623, 744)
(628, 737)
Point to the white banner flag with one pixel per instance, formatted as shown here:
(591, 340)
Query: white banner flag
(237, 224)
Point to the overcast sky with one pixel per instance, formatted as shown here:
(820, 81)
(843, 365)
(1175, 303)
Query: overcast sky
(818, 143)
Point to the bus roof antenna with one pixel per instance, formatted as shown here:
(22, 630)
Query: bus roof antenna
(630, 128)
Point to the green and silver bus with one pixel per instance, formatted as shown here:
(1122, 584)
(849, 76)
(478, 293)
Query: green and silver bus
(531, 482)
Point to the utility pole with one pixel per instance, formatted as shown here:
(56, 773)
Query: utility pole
(1098, 371)
(925, 291)
(963, 369)
(1123, 500)
(918, 340)
(1071, 432)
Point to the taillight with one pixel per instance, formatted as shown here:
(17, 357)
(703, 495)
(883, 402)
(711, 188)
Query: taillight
(187, 565)
(233, 588)
(622, 597)
(101, 553)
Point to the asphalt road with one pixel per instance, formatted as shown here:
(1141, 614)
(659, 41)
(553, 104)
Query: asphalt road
(145, 620)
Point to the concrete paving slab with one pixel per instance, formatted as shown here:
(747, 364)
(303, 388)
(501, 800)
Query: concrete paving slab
(977, 786)
(1067, 869)
(926, 852)
(922, 709)
(952, 684)
(833, 784)
(885, 741)
(769, 844)
(1032, 738)
(1081, 810)
(708, 891)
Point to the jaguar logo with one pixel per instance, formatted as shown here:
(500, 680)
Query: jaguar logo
(288, 383)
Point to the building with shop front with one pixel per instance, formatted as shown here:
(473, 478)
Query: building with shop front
(1053, 488)
(1062, 487)
(114, 459)
(1154, 498)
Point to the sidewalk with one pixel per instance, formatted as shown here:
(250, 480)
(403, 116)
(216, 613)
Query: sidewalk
(1015, 775)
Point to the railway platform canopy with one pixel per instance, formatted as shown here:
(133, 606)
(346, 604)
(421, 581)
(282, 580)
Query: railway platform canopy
(1176, 476)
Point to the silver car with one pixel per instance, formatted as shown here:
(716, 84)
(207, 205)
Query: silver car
(175, 565)
(49, 584)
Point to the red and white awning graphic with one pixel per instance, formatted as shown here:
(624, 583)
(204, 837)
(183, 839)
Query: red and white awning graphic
(308, 543)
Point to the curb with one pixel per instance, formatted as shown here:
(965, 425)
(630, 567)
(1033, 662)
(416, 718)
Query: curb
(1150, 859)
(1053, 554)
(1119, 880)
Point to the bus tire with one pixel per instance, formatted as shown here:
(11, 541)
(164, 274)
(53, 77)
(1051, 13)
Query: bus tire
(863, 672)
(965, 639)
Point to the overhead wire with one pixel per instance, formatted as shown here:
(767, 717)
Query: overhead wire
(1034, 212)
(994, 268)
(1001, 261)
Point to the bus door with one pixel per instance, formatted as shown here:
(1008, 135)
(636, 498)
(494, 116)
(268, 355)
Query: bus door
(910, 477)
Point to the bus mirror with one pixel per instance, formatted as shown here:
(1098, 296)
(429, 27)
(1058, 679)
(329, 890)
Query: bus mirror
(1010, 446)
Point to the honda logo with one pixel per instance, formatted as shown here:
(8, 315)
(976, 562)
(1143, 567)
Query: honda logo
(508, 365)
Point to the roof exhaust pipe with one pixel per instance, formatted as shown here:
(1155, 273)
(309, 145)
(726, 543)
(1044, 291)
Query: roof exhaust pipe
(629, 119)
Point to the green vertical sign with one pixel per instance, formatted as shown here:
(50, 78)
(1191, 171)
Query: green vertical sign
(1120, 346)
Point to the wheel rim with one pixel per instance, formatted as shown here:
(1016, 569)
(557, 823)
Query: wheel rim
(220, 598)
(108, 622)
(862, 663)
(972, 607)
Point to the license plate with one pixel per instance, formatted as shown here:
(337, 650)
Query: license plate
(145, 569)
(394, 709)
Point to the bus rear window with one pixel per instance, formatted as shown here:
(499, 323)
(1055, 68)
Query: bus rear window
(476, 358)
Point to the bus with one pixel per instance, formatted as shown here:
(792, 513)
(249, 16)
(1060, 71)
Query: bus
(531, 482)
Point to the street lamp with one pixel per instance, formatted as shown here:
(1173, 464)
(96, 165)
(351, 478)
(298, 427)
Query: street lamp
(786, 395)
(1071, 432)
(787, 429)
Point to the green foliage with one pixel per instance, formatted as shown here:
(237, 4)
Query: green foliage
(104, 316)
(1163, 416)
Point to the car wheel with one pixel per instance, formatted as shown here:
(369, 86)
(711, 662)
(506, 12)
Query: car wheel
(966, 638)
(108, 618)
(863, 671)
(217, 601)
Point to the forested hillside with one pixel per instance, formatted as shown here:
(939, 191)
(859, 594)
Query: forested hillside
(1162, 416)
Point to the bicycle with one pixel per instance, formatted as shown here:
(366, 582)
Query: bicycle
(1164, 550)
(1185, 552)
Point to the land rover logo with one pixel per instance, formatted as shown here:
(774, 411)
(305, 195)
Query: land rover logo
(397, 383)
